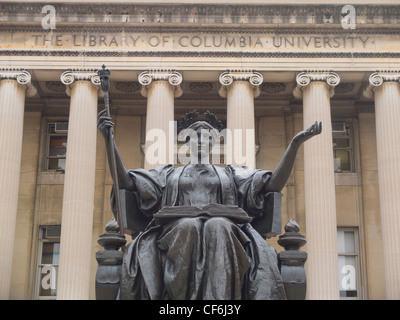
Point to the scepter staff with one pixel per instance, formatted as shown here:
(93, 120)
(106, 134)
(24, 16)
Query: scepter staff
(104, 75)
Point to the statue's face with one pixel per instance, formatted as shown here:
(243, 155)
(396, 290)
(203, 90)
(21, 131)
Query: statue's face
(200, 142)
(201, 139)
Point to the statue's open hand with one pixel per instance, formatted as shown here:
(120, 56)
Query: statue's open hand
(312, 131)
(104, 124)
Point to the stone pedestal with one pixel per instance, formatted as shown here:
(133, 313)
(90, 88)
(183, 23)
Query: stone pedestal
(292, 262)
(108, 273)
(240, 88)
(160, 87)
(15, 85)
(79, 183)
(316, 89)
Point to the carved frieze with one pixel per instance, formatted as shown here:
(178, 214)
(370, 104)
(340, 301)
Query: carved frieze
(273, 87)
(201, 87)
(344, 87)
(203, 13)
(56, 86)
(127, 87)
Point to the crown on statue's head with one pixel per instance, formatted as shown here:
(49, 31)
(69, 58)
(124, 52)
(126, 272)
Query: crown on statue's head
(104, 75)
(191, 118)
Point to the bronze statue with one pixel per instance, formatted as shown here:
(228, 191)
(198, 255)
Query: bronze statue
(200, 242)
(199, 230)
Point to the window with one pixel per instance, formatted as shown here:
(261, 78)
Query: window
(348, 264)
(342, 147)
(56, 146)
(47, 269)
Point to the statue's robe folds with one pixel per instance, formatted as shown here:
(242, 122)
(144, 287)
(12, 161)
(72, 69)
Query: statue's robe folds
(209, 253)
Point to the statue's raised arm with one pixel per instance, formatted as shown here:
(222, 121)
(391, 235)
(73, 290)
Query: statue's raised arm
(281, 174)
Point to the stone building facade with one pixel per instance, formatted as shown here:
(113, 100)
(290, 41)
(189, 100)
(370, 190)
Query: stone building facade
(271, 69)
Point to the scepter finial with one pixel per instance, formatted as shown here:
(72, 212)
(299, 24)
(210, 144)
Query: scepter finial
(104, 75)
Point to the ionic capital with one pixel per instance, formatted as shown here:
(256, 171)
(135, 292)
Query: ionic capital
(70, 76)
(376, 79)
(303, 79)
(173, 77)
(229, 76)
(23, 78)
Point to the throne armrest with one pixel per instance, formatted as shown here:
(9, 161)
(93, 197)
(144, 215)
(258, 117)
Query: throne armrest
(270, 223)
(133, 221)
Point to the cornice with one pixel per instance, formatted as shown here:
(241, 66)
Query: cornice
(183, 53)
(205, 29)
(201, 13)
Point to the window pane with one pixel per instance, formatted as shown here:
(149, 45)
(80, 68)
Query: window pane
(52, 128)
(348, 293)
(346, 242)
(342, 152)
(341, 143)
(342, 160)
(56, 164)
(61, 164)
(50, 252)
(347, 276)
(48, 281)
(58, 146)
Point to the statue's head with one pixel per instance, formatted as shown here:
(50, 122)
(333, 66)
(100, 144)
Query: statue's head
(200, 135)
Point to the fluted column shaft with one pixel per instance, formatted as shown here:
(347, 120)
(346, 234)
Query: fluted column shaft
(161, 88)
(385, 88)
(14, 86)
(79, 183)
(240, 88)
(319, 187)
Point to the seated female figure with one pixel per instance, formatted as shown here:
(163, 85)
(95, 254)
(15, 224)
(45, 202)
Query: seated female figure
(200, 243)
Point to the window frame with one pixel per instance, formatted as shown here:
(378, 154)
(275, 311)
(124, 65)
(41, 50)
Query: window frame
(40, 265)
(351, 148)
(48, 139)
(357, 259)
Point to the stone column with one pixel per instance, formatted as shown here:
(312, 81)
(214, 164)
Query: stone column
(316, 88)
(79, 182)
(240, 88)
(370, 202)
(160, 87)
(385, 89)
(15, 85)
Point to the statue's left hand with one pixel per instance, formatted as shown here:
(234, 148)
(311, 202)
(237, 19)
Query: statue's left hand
(312, 131)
